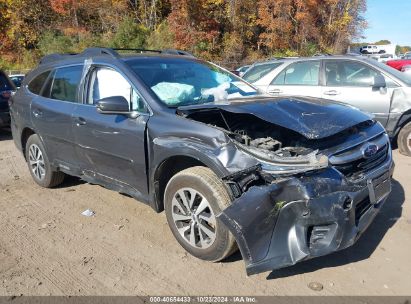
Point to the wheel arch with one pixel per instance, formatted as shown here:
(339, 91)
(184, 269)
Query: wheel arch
(25, 134)
(166, 170)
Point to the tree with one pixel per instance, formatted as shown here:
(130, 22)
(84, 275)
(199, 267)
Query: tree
(383, 42)
(340, 21)
(287, 23)
(193, 25)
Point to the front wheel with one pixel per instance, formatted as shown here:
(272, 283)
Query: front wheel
(39, 164)
(193, 198)
(404, 140)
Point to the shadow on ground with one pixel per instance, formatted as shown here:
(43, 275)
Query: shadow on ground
(365, 246)
(5, 134)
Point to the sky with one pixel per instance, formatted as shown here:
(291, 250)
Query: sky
(390, 20)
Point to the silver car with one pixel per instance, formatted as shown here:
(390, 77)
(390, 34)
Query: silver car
(364, 83)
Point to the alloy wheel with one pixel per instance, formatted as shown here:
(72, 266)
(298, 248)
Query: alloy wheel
(36, 161)
(194, 218)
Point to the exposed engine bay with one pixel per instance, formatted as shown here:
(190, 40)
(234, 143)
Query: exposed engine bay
(264, 140)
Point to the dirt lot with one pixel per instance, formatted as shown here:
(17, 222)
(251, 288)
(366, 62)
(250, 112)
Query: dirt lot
(48, 248)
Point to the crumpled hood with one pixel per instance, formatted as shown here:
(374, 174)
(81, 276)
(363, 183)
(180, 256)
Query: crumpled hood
(310, 117)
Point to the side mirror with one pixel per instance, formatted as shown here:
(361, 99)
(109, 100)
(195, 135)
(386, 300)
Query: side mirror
(113, 105)
(379, 82)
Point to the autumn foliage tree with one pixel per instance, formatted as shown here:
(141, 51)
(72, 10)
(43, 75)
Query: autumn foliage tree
(226, 31)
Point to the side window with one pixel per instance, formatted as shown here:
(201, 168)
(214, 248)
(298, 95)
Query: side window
(259, 71)
(105, 82)
(300, 73)
(65, 83)
(37, 83)
(346, 73)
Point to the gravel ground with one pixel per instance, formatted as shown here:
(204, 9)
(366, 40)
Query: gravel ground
(48, 248)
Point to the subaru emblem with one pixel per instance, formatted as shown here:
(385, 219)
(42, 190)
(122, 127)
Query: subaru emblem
(370, 150)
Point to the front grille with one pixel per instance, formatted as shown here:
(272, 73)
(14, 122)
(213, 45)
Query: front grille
(361, 208)
(352, 163)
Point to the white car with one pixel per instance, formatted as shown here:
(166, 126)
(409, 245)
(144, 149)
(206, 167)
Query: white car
(362, 82)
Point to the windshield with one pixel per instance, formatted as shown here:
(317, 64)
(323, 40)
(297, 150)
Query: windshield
(259, 71)
(180, 82)
(406, 78)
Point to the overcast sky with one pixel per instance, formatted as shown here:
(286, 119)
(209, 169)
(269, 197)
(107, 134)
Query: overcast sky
(389, 19)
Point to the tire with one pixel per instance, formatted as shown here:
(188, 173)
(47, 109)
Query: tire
(39, 164)
(404, 140)
(199, 182)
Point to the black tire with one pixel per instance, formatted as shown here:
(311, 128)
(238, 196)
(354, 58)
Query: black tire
(207, 184)
(50, 178)
(404, 140)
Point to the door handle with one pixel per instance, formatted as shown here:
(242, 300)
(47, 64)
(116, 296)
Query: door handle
(37, 113)
(275, 91)
(332, 93)
(80, 121)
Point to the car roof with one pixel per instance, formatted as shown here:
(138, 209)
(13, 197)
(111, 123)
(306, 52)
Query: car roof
(111, 54)
(313, 58)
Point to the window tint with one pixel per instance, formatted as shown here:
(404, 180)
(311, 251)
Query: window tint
(65, 83)
(5, 83)
(259, 71)
(300, 73)
(37, 83)
(106, 82)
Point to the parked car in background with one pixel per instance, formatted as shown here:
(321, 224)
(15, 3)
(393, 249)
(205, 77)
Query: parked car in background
(6, 90)
(372, 49)
(241, 70)
(362, 82)
(17, 79)
(398, 64)
(284, 179)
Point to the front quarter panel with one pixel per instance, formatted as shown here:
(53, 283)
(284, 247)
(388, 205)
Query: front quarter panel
(171, 135)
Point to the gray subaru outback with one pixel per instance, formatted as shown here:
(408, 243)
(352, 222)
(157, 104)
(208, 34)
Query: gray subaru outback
(282, 179)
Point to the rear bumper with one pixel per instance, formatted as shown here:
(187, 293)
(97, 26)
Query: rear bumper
(4, 119)
(299, 218)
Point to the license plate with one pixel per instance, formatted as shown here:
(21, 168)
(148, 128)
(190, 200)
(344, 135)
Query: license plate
(379, 187)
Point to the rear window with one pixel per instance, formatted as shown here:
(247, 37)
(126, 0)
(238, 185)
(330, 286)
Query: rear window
(37, 83)
(65, 83)
(259, 71)
(5, 83)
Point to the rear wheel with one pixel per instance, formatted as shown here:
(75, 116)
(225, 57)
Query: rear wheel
(39, 165)
(404, 140)
(193, 198)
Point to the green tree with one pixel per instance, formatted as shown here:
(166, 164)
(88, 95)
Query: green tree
(130, 35)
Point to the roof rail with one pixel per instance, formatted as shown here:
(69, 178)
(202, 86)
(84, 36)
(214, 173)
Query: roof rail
(167, 51)
(137, 50)
(112, 52)
(97, 51)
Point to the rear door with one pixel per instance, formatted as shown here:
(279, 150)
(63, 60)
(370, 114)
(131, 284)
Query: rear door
(352, 82)
(52, 111)
(111, 146)
(298, 79)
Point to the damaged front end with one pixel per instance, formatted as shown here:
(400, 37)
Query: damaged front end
(309, 195)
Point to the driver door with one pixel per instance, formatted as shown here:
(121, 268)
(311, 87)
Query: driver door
(112, 146)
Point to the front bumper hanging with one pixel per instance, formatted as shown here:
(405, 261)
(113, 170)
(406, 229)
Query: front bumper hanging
(299, 218)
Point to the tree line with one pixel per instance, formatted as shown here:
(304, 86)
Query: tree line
(226, 31)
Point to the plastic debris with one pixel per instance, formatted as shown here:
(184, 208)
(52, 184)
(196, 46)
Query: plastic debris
(88, 213)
